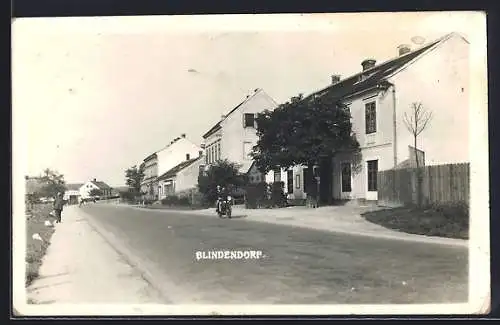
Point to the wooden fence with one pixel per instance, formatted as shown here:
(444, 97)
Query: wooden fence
(442, 184)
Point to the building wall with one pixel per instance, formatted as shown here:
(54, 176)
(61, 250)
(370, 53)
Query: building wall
(86, 188)
(188, 177)
(440, 81)
(175, 153)
(235, 137)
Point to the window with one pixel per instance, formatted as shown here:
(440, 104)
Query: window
(372, 175)
(218, 150)
(249, 120)
(346, 177)
(370, 118)
(187, 156)
(289, 181)
(213, 153)
(277, 175)
(206, 157)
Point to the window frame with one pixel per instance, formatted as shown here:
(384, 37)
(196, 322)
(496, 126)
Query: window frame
(246, 122)
(371, 117)
(372, 182)
(343, 187)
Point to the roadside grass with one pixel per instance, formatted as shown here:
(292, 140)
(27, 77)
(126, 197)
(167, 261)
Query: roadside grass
(36, 249)
(438, 221)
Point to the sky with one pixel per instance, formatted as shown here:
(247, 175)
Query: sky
(94, 96)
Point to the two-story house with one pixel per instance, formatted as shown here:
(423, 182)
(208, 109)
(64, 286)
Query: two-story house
(435, 75)
(234, 136)
(154, 184)
(149, 184)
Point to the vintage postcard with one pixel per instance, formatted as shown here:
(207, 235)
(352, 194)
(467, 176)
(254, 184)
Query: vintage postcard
(251, 165)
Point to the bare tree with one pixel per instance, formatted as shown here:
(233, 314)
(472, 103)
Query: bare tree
(416, 122)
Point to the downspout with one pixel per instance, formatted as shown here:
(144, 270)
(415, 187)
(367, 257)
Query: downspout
(394, 124)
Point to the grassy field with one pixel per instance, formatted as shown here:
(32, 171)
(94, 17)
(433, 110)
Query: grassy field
(35, 250)
(450, 222)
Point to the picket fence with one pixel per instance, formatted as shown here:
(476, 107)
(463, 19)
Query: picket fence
(442, 184)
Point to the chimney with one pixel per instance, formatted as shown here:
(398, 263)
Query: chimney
(202, 146)
(368, 63)
(95, 180)
(200, 153)
(335, 78)
(183, 135)
(403, 49)
(187, 156)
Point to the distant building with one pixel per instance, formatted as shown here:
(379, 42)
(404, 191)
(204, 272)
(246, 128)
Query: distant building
(72, 193)
(105, 189)
(181, 178)
(176, 152)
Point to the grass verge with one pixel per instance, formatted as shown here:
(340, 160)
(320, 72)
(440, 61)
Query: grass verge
(35, 249)
(441, 221)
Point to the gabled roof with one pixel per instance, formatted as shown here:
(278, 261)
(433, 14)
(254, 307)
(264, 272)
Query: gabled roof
(101, 185)
(73, 187)
(376, 75)
(174, 171)
(217, 126)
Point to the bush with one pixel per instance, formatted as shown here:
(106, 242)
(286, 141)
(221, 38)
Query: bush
(256, 195)
(278, 197)
(170, 200)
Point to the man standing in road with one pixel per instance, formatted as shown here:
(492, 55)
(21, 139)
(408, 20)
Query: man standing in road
(58, 206)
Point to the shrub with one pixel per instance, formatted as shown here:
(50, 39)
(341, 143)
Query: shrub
(184, 201)
(170, 200)
(257, 195)
(278, 197)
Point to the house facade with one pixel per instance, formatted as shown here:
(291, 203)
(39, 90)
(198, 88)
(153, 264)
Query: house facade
(157, 164)
(234, 136)
(72, 193)
(181, 178)
(435, 75)
(85, 189)
(149, 184)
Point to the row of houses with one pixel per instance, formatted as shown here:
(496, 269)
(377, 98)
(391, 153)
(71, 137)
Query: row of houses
(74, 191)
(435, 75)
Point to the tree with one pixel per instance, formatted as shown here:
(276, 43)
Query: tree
(416, 122)
(134, 177)
(53, 183)
(223, 173)
(304, 131)
(95, 192)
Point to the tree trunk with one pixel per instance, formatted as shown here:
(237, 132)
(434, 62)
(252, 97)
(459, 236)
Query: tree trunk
(419, 175)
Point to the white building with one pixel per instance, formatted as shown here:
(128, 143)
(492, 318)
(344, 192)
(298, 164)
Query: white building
(234, 136)
(86, 188)
(435, 75)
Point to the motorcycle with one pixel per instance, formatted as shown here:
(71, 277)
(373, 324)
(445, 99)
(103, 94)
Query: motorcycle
(225, 207)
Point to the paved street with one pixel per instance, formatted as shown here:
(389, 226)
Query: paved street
(300, 266)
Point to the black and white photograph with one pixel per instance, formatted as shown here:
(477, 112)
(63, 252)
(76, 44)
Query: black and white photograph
(267, 164)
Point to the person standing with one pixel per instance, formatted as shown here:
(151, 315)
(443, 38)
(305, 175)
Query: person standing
(58, 206)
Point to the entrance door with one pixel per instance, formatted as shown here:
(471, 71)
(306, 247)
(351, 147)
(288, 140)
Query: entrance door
(345, 180)
(372, 172)
(325, 169)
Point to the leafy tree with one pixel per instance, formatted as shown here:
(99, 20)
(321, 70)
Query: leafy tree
(95, 192)
(304, 131)
(134, 177)
(53, 183)
(223, 173)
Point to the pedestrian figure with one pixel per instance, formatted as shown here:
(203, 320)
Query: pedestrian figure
(58, 206)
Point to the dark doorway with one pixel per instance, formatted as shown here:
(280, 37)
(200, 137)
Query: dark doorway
(325, 170)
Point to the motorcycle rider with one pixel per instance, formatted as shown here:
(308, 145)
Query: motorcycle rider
(221, 195)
